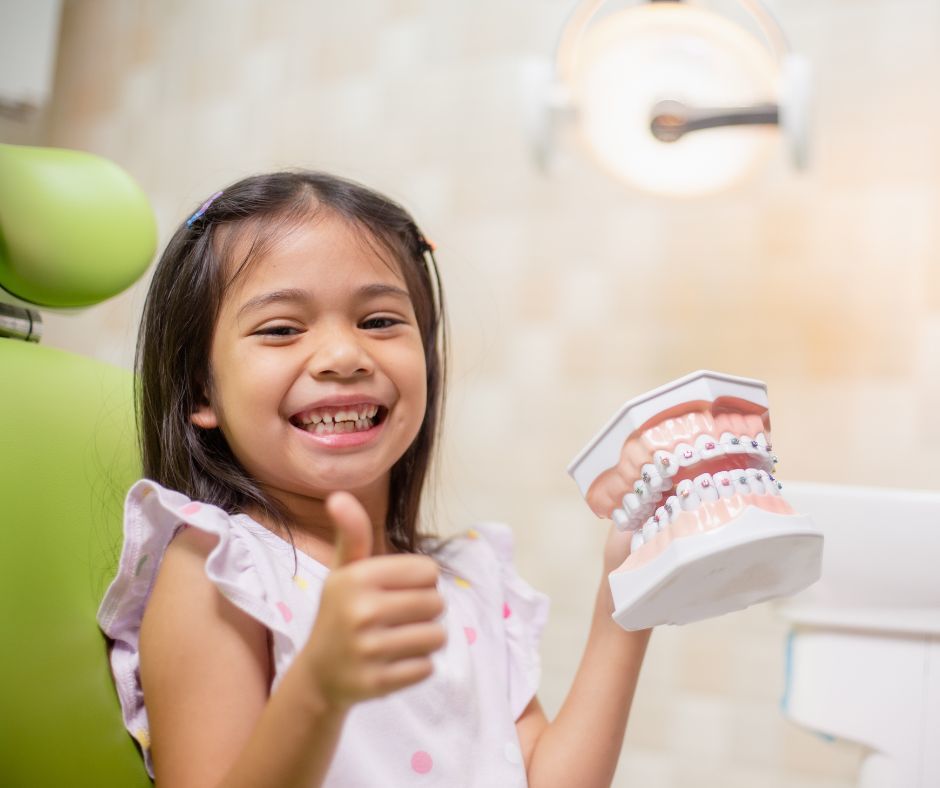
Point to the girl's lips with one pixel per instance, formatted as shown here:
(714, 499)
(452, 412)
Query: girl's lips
(343, 440)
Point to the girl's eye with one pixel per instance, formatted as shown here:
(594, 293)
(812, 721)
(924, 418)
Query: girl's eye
(278, 331)
(380, 322)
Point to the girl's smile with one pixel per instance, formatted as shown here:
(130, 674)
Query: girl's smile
(317, 364)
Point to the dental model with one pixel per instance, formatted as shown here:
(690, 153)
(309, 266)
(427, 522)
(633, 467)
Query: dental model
(688, 468)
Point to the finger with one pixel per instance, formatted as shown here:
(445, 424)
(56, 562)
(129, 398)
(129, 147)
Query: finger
(404, 673)
(409, 607)
(353, 529)
(402, 571)
(405, 642)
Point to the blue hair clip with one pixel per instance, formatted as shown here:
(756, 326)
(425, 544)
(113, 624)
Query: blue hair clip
(202, 209)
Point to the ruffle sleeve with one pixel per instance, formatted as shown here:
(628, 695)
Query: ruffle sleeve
(152, 516)
(525, 613)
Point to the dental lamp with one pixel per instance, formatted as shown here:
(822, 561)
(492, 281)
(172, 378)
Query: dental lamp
(673, 98)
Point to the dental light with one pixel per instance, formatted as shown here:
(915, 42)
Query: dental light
(673, 98)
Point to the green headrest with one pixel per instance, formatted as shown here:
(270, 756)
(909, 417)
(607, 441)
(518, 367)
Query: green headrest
(75, 229)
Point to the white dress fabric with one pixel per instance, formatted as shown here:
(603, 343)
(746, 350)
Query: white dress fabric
(456, 728)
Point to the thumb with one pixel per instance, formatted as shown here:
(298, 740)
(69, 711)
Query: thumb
(353, 528)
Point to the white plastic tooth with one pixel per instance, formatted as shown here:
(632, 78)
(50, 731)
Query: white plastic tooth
(631, 504)
(666, 463)
(741, 484)
(770, 485)
(756, 478)
(621, 520)
(686, 455)
(650, 529)
(705, 487)
(732, 443)
(653, 478)
(642, 491)
(672, 508)
(688, 497)
(762, 441)
(637, 541)
(752, 446)
(702, 444)
(663, 516)
(724, 490)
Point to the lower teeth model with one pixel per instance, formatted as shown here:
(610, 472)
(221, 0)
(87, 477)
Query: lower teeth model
(688, 469)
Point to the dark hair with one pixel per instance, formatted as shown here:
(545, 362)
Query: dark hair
(174, 343)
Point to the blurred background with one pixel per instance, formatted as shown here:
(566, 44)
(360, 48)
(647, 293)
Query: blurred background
(570, 291)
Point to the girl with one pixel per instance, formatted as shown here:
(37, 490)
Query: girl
(271, 630)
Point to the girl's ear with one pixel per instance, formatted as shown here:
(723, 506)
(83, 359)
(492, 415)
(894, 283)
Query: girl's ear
(204, 416)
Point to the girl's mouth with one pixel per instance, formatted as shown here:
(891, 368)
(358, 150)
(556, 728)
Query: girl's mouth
(331, 423)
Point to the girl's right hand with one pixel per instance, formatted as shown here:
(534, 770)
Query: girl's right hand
(376, 628)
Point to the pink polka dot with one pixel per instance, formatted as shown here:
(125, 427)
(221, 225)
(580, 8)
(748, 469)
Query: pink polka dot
(471, 634)
(285, 611)
(421, 762)
(191, 508)
(507, 612)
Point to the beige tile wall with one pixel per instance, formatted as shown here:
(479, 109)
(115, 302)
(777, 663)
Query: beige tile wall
(570, 294)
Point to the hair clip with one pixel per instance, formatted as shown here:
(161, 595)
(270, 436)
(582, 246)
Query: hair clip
(202, 209)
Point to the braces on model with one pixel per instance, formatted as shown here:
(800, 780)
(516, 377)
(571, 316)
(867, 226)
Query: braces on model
(674, 467)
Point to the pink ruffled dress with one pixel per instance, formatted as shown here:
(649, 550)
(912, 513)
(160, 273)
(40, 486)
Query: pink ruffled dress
(456, 728)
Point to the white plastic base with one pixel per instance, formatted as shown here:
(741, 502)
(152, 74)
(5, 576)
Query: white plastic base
(757, 556)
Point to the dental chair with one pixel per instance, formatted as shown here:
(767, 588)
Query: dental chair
(74, 230)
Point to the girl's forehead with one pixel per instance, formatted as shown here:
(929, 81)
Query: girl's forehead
(321, 252)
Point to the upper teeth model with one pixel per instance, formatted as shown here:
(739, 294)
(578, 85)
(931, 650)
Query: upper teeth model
(688, 468)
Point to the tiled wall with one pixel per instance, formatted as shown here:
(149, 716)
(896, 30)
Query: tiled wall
(570, 294)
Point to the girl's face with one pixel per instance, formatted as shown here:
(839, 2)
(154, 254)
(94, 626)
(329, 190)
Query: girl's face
(318, 369)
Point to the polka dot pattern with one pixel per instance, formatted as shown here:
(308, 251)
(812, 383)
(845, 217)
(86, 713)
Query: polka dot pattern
(512, 753)
(421, 762)
(473, 534)
(301, 583)
(507, 611)
(471, 634)
(461, 582)
(285, 611)
(191, 508)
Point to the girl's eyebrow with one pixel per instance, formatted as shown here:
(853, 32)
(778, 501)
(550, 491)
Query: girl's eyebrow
(298, 295)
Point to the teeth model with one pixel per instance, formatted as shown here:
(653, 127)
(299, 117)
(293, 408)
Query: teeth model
(688, 469)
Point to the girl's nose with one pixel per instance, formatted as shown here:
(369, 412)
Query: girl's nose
(339, 353)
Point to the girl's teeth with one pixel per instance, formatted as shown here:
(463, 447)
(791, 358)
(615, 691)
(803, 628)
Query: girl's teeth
(327, 419)
(705, 487)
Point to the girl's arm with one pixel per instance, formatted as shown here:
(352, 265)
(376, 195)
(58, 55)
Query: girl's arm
(582, 744)
(206, 672)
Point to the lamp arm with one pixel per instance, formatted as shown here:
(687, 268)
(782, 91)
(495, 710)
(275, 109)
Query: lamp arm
(671, 120)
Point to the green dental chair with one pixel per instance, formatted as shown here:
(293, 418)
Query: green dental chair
(74, 230)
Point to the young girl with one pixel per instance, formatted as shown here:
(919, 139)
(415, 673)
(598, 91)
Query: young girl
(278, 617)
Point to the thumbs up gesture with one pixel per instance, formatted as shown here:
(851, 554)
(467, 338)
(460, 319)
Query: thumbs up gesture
(376, 628)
